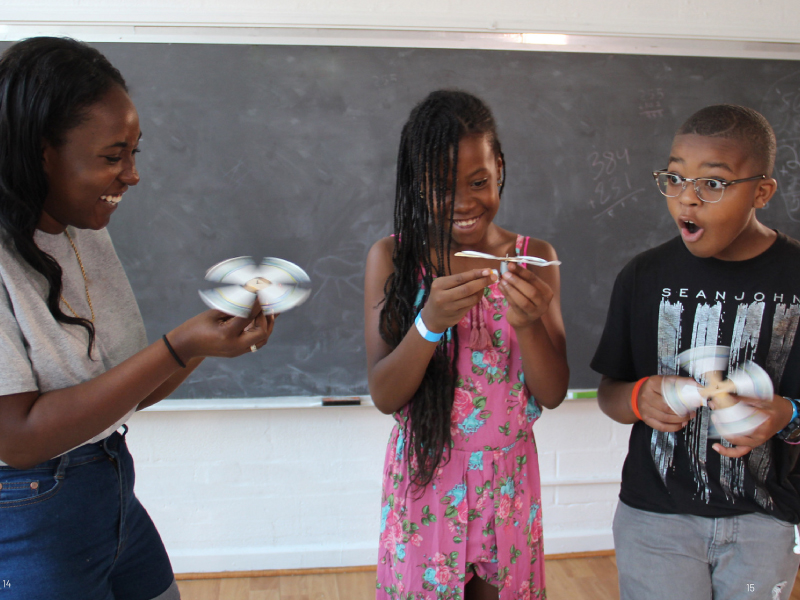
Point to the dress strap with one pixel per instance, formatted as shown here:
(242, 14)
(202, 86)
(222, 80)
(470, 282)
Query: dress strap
(521, 245)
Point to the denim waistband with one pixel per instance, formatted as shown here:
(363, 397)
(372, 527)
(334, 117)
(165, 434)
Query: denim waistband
(81, 454)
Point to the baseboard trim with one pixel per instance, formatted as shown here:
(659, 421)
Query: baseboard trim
(354, 569)
(592, 554)
(274, 573)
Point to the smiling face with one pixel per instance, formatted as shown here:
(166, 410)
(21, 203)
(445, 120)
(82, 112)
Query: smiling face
(728, 229)
(477, 195)
(88, 173)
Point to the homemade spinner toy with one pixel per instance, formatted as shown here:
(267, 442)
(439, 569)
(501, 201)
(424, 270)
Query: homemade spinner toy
(278, 284)
(528, 260)
(729, 417)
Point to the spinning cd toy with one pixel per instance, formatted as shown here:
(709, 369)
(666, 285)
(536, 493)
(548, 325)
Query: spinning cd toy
(730, 417)
(528, 260)
(278, 284)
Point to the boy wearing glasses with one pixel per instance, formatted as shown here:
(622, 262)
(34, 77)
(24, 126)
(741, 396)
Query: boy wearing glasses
(700, 517)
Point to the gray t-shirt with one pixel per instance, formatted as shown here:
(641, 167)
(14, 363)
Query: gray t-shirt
(39, 353)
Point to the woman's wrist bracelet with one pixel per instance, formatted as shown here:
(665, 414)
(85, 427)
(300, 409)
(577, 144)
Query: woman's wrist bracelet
(635, 397)
(426, 333)
(172, 351)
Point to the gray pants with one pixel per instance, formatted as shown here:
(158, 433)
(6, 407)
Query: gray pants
(684, 557)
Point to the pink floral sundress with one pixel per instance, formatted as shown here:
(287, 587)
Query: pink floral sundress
(482, 511)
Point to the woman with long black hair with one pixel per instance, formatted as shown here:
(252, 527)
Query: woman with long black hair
(75, 359)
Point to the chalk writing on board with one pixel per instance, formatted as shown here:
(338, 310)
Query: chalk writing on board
(781, 106)
(612, 187)
(650, 103)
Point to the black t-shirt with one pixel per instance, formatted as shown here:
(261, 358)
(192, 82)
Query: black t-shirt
(666, 301)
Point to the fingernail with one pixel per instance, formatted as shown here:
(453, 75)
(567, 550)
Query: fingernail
(507, 276)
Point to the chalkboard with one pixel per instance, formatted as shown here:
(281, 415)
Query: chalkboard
(290, 151)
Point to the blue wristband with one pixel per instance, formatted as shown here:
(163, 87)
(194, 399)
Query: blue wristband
(791, 433)
(424, 331)
(794, 409)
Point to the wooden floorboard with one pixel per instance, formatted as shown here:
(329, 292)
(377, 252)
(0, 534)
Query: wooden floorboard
(581, 578)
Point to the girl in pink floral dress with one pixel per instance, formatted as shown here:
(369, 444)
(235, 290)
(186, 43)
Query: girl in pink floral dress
(464, 361)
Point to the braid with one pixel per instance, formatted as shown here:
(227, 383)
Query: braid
(423, 214)
(46, 87)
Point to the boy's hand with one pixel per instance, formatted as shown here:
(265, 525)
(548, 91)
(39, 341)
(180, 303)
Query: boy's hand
(779, 412)
(655, 411)
(528, 296)
(451, 297)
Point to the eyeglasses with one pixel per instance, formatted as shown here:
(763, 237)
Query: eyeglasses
(708, 189)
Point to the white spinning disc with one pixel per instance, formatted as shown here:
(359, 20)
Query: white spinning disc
(232, 300)
(752, 381)
(682, 399)
(279, 286)
(739, 419)
(704, 359)
(234, 270)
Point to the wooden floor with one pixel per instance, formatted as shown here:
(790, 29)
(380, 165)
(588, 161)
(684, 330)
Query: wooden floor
(567, 579)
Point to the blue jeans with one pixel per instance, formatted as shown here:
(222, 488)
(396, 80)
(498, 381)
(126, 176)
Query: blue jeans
(72, 529)
(661, 556)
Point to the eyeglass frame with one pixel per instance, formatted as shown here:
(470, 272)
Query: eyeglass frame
(684, 180)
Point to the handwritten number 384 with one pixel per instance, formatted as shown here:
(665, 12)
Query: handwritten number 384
(606, 163)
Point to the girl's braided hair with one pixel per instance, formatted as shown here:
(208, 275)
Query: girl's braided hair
(426, 176)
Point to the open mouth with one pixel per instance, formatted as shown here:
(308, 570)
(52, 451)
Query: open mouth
(690, 231)
(112, 200)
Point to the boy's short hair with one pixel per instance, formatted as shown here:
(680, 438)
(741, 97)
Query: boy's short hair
(738, 122)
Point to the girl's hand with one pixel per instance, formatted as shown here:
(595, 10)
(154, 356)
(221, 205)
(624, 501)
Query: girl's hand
(655, 411)
(779, 410)
(528, 296)
(451, 297)
(213, 333)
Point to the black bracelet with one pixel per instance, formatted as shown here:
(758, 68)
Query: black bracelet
(172, 351)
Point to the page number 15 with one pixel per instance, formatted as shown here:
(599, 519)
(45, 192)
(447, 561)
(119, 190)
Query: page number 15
(751, 587)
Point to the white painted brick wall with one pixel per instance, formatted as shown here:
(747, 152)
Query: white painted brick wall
(270, 489)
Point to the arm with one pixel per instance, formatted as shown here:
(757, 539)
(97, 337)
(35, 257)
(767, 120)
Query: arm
(171, 384)
(534, 310)
(395, 374)
(174, 382)
(34, 427)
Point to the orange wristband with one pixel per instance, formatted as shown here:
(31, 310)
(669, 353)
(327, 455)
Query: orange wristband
(635, 397)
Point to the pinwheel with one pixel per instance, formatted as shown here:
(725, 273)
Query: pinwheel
(730, 417)
(277, 284)
(528, 260)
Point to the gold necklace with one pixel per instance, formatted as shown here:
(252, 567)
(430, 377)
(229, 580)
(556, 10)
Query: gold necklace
(85, 282)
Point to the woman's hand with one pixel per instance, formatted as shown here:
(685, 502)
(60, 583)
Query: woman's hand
(528, 296)
(451, 297)
(213, 333)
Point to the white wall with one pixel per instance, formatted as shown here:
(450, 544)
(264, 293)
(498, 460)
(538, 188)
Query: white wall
(244, 490)
(300, 487)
